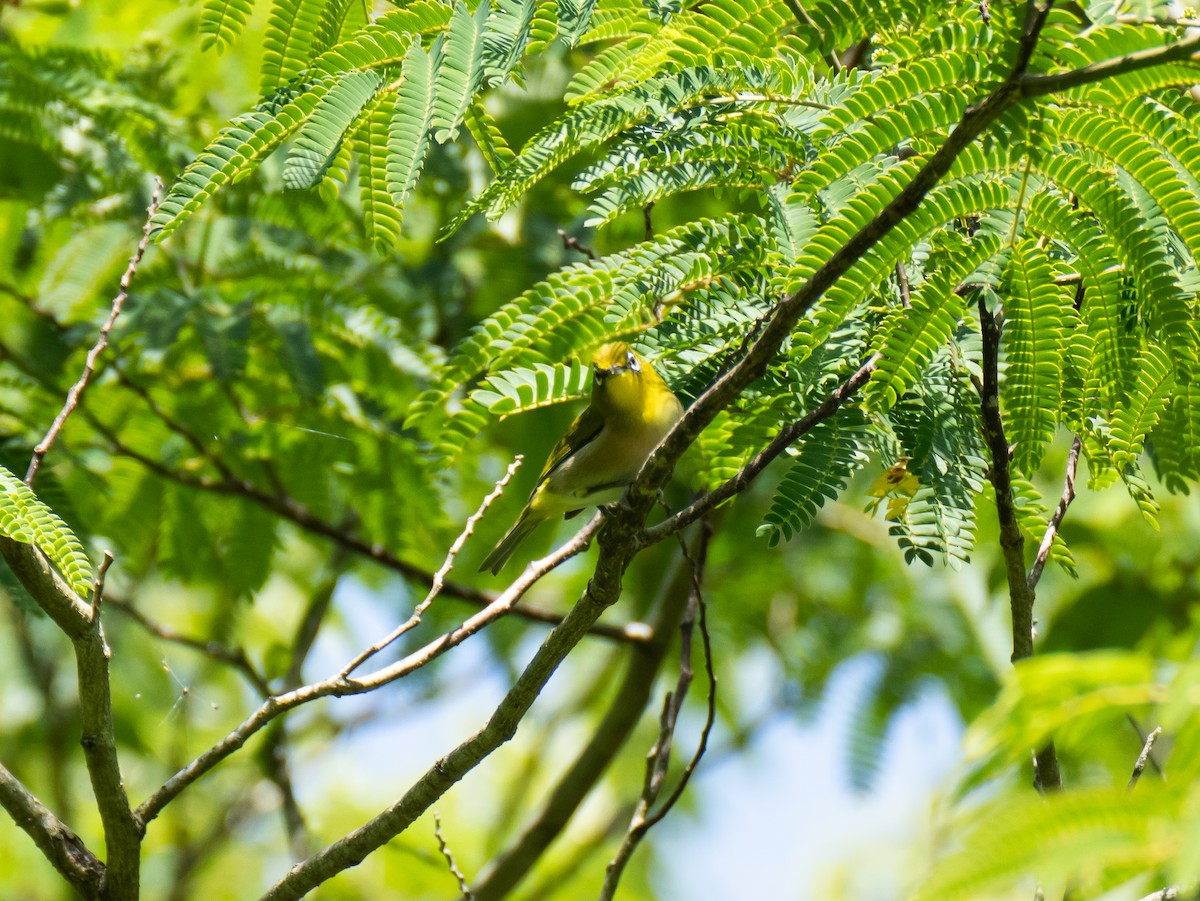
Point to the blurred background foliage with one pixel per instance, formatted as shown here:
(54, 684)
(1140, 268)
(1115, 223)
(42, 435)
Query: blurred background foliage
(256, 393)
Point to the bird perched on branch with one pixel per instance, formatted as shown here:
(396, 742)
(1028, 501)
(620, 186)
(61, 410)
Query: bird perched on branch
(631, 410)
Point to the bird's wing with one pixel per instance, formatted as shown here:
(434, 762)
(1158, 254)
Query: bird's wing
(583, 431)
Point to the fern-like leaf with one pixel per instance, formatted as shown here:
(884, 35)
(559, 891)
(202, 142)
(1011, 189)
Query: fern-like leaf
(516, 391)
(25, 518)
(221, 21)
(460, 70)
(1132, 420)
(408, 133)
(823, 462)
(1035, 326)
(235, 150)
(509, 29)
(488, 138)
(287, 41)
(321, 137)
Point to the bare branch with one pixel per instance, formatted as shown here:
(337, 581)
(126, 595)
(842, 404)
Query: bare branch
(98, 583)
(603, 590)
(710, 717)
(1039, 85)
(1170, 893)
(1140, 766)
(340, 686)
(1068, 495)
(76, 392)
(1012, 543)
(439, 577)
(445, 849)
(292, 510)
(570, 242)
(658, 760)
(62, 847)
(622, 716)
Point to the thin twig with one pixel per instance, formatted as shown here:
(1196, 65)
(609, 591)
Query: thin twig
(624, 712)
(439, 577)
(297, 513)
(339, 686)
(1068, 495)
(98, 583)
(76, 391)
(1140, 766)
(463, 887)
(658, 759)
(781, 442)
(1170, 893)
(710, 717)
(570, 242)
(902, 280)
(1133, 724)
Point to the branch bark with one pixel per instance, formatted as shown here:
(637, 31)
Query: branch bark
(62, 847)
(1021, 594)
(619, 721)
(81, 624)
(341, 686)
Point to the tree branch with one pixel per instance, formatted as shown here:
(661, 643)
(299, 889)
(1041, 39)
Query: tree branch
(62, 847)
(122, 834)
(76, 392)
(439, 577)
(1140, 766)
(1012, 542)
(659, 758)
(602, 591)
(340, 686)
(1068, 495)
(622, 716)
(1021, 594)
(295, 512)
(1039, 85)
(788, 436)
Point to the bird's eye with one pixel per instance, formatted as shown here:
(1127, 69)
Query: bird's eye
(631, 361)
(600, 374)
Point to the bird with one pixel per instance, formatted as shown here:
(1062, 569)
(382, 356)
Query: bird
(631, 410)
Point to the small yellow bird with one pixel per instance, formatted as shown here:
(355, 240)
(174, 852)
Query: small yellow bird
(632, 409)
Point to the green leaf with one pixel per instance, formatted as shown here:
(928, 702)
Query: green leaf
(320, 139)
(460, 70)
(1133, 420)
(221, 21)
(287, 41)
(823, 462)
(412, 115)
(24, 518)
(1035, 325)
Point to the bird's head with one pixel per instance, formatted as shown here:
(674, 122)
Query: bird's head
(623, 383)
(614, 361)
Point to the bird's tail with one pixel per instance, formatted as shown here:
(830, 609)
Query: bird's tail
(503, 550)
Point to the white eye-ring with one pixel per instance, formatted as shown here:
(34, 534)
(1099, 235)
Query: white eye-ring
(631, 361)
